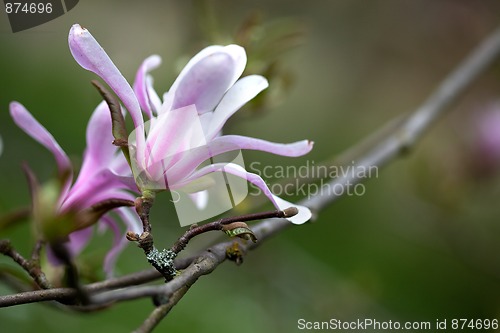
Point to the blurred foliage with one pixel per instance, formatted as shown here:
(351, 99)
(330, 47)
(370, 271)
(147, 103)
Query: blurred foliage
(421, 244)
(266, 41)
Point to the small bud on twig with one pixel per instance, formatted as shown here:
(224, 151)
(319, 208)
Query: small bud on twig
(291, 211)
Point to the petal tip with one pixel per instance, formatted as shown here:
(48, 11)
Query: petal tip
(76, 33)
(77, 28)
(15, 109)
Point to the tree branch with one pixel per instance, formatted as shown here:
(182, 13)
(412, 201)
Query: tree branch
(65, 294)
(32, 266)
(220, 224)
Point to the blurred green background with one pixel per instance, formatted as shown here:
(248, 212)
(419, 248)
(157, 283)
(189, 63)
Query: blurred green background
(421, 244)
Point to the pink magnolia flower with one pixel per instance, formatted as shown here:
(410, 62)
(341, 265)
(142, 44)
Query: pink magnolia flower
(184, 129)
(97, 181)
(488, 134)
(484, 157)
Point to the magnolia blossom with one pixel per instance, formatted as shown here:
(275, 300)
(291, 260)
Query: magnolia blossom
(98, 179)
(183, 129)
(488, 133)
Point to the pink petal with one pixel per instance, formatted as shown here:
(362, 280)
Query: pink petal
(146, 96)
(76, 243)
(226, 143)
(132, 223)
(99, 135)
(155, 100)
(294, 149)
(33, 128)
(101, 154)
(240, 93)
(171, 134)
(100, 186)
(78, 240)
(91, 56)
(119, 242)
(206, 77)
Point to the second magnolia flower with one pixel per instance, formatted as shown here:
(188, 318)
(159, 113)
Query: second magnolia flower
(182, 130)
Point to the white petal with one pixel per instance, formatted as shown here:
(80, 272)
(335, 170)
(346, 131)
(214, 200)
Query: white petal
(229, 61)
(240, 93)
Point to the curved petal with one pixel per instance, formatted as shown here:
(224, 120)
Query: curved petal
(91, 56)
(172, 134)
(147, 97)
(100, 137)
(192, 159)
(131, 219)
(101, 186)
(294, 149)
(304, 213)
(78, 240)
(132, 223)
(100, 153)
(33, 128)
(76, 243)
(154, 99)
(240, 93)
(205, 84)
(117, 247)
(206, 77)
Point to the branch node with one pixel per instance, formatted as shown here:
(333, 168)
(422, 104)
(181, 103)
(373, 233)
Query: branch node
(291, 211)
(132, 236)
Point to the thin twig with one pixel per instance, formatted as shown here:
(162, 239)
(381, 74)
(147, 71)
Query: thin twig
(161, 311)
(31, 266)
(66, 294)
(55, 294)
(181, 243)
